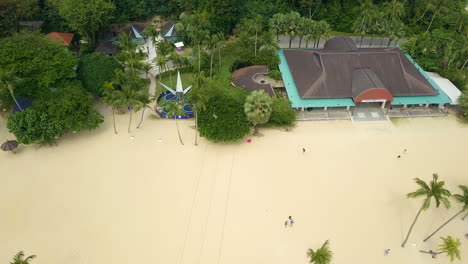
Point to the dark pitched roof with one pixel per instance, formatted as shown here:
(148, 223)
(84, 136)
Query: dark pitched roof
(245, 78)
(128, 28)
(341, 43)
(332, 72)
(106, 47)
(166, 26)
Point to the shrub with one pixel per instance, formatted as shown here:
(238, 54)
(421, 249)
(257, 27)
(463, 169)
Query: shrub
(275, 74)
(223, 120)
(282, 114)
(94, 70)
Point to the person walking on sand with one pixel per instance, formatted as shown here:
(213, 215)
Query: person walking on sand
(291, 221)
(399, 156)
(404, 151)
(387, 251)
(433, 254)
(303, 150)
(286, 224)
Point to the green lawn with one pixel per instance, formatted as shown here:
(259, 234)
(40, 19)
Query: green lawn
(186, 78)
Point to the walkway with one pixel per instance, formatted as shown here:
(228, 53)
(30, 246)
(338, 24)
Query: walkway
(318, 115)
(369, 114)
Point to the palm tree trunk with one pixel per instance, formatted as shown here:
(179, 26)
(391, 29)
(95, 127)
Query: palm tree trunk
(178, 132)
(255, 130)
(307, 44)
(463, 218)
(389, 41)
(360, 42)
(430, 24)
(196, 126)
(411, 228)
(290, 40)
(371, 39)
(142, 114)
(422, 15)
(14, 99)
(256, 35)
(300, 41)
(199, 60)
(437, 230)
(211, 65)
(464, 64)
(113, 117)
(219, 58)
(130, 122)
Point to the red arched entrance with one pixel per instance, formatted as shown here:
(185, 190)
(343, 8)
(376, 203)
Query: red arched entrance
(374, 95)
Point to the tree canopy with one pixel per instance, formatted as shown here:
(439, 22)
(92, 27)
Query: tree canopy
(94, 70)
(40, 62)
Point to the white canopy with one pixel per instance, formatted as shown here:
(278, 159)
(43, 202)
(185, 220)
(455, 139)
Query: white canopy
(447, 87)
(179, 44)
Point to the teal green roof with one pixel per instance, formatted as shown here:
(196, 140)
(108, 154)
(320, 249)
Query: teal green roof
(298, 102)
(441, 98)
(169, 32)
(293, 95)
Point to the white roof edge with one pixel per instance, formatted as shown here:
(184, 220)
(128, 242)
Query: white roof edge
(447, 87)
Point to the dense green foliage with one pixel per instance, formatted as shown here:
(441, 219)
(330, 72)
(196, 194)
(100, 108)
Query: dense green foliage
(323, 255)
(38, 61)
(223, 120)
(257, 108)
(68, 109)
(94, 70)
(282, 114)
(19, 258)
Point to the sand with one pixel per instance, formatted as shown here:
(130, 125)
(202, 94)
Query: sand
(104, 198)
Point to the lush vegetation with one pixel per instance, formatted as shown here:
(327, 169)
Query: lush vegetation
(282, 114)
(68, 109)
(257, 108)
(223, 120)
(19, 258)
(94, 70)
(323, 255)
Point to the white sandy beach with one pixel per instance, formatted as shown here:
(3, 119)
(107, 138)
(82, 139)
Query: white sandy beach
(104, 198)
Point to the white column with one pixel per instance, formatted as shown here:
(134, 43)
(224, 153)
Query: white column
(383, 104)
(404, 106)
(302, 109)
(325, 108)
(427, 105)
(347, 108)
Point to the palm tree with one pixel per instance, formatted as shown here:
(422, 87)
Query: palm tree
(323, 31)
(173, 110)
(268, 42)
(211, 43)
(302, 30)
(435, 6)
(198, 98)
(19, 258)
(434, 190)
(145, 101)
(322, 255)
(395, 31)
(292, 28)
(451, 247)
(220, 45)
(112, 98)
(147, 68)
(258, 27)
(278, 24)
(312, 32)
(9, 81)
(363, 22)
(257, 108)
(461, 198)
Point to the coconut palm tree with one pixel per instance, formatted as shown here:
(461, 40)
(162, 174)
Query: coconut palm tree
(147, 68)
(211, 42)
(9, 81)
(112, 98)
(19, 258)
(451, 247)
(323, 31)
(311, 32)
(198, 97)
(323, 255)
(268, 42)
(302, 30)
(463, 200)
(145, 101)
(434, 189)
(292, 28)
(173, 110)
(363, 21)
(278, 24)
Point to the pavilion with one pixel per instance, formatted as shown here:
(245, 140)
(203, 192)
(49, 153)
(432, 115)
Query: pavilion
(342, 75)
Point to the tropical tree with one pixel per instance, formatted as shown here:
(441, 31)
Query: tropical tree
(145, 101)
(308, 5)
(463, 200)
(364, 20)
(198, 96)
(8, 81)
(94, 70)
(323, 255)
(173, 110)
(257, 108)
(435, 6)
(268, 42)
(292, 25)
(302, 30)
(434, 190)
(395, 31)
(146, 68)
(323, 31)
(113, 99)
(211, 42)
(311, 32)
(278, 23)
(19, 258)
(84, 16)
(451, 247)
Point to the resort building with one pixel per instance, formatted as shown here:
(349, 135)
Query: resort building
(65, 38)
(343, 76)
(253, 78)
